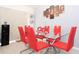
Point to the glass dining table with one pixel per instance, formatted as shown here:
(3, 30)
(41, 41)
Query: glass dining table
(50, 49)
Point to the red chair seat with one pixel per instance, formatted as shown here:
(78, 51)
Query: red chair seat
(41, 45)
(60, 44)
(40, 36)
(50, 40)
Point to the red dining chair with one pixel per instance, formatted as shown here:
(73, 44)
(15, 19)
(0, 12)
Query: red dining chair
(23, 36)
(46, 30)
(57, 32)
(39, 34)
(66, 46)
(42, 32)
(33, 43)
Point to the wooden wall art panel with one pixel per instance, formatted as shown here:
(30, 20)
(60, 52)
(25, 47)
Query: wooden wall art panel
(53, 11)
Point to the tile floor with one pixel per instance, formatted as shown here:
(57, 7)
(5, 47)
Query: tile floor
(15, 48)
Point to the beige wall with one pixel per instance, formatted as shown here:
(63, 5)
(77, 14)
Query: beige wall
(14, 18)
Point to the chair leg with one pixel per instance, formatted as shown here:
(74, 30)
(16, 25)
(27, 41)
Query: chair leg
(47, 50)
(31, 52)
(56, 51)
(23, 50)
(59, 51)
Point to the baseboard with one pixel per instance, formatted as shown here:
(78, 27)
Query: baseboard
(74, 50)
(12, 41)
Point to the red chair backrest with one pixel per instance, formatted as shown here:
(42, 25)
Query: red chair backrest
(32, 38)
(57, 31)
(40, 30)
(22, 34)
(46, 29)
(26, 28)
(71, 37)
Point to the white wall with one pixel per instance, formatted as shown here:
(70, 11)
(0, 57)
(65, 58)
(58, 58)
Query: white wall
(25, 8)
(15, 17)
(69, 18)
